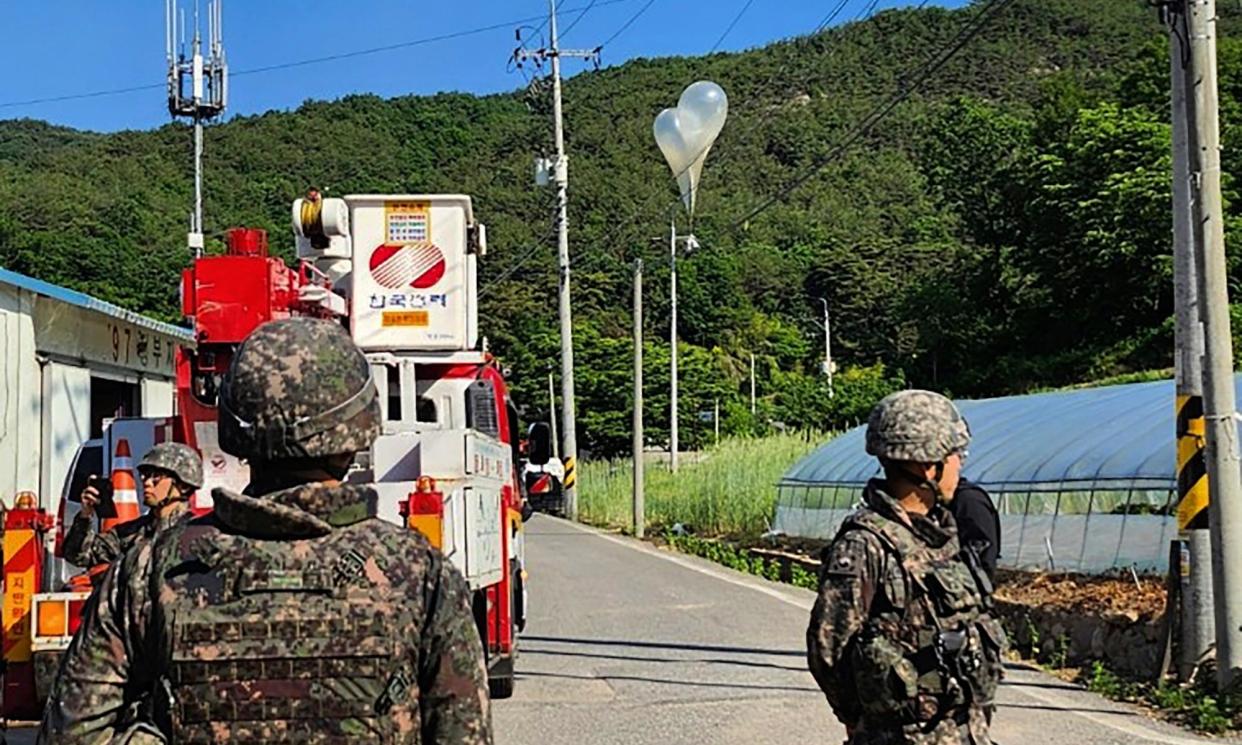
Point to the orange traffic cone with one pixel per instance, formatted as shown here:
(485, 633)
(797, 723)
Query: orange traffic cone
(124, 489)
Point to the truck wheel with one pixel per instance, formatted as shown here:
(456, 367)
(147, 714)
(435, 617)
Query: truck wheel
(501, 685)
(499, 688)
(519, 599)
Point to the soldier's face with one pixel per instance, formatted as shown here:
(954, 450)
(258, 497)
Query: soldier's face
(156, 486)
(951, 475)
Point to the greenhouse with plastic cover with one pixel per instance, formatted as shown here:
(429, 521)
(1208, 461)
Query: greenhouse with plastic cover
(1085, 480)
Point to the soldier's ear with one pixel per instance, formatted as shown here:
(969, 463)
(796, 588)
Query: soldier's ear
(917, 470)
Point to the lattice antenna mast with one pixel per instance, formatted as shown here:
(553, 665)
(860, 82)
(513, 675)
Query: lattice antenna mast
(198, 87)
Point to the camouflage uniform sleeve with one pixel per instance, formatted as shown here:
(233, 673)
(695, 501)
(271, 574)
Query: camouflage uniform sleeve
(87, 547)
(848, 580)
(452, 678)
(97, 685)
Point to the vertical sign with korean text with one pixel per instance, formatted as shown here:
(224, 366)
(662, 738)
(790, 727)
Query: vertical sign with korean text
(410, 279)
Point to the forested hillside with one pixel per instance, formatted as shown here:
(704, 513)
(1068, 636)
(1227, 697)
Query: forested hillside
(1006, 228)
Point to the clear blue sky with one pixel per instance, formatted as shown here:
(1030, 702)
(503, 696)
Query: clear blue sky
(69, 47)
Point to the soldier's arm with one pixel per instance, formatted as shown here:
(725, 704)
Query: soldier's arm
(452, 678)
(86, 547)
(97, 681)
(79, 538)
(847, 586)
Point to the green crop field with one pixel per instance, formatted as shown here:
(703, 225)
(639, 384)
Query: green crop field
(729, 489)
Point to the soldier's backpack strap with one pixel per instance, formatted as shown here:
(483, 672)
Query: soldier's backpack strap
(868, 521)
(970, 557)
(168, 556)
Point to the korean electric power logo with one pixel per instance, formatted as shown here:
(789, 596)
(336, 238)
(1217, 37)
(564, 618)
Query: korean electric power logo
(400, 265)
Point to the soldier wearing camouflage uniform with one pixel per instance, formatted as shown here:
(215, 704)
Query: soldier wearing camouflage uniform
(171, 473)
(900, 639)
(291, 613)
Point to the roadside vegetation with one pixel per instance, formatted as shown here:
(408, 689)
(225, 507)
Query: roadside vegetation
(726, 490)
(1199, 705)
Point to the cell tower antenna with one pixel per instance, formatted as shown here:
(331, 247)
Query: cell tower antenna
(197, 88)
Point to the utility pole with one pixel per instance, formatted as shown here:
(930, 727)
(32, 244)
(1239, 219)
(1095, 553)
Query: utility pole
(828, 347)
(561, 174)
(556, 443)
(207, 80)
(639, 506)
(1223, 466)
(672, 342)
(1197, 621)
(752, 383)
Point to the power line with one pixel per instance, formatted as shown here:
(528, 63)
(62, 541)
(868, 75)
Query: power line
(832, 16)
(573, 23)
(380, 50)
(606, 3)
(877, 114)
(513, 268)
(533, 250)
(867, 10)
(771, 111)
(310, 61)
(729, 30)
(80, 96)
(627, 24)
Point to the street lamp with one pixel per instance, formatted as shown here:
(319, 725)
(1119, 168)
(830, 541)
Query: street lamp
(685, 135)
(828, 347)
(691, 244)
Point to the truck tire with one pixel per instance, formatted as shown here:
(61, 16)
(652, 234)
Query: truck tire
(499, 688)
(557, 499)
(519, 598)
(500, 685)
(500, 674)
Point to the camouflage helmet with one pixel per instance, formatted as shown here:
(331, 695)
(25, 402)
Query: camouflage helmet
(179, 460)
(298, 388)
(915, 425)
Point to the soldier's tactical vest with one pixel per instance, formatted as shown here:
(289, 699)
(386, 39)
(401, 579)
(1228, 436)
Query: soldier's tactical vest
(284, 641)
(929, 649)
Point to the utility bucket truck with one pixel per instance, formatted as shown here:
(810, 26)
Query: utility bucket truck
(400, 272)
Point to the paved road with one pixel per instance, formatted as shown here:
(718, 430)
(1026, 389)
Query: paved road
(629, 644)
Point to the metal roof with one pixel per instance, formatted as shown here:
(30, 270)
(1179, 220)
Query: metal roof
(82, 300)
(1115, 437)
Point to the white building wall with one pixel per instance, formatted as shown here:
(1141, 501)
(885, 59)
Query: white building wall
(157, 397)
(20, 396)
(66, 424)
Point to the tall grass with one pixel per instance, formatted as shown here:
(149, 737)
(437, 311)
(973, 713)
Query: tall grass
(729, 489)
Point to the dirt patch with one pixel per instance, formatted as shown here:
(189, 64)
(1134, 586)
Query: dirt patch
(1120, 597)
(1084, 594)
(1096, 595)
